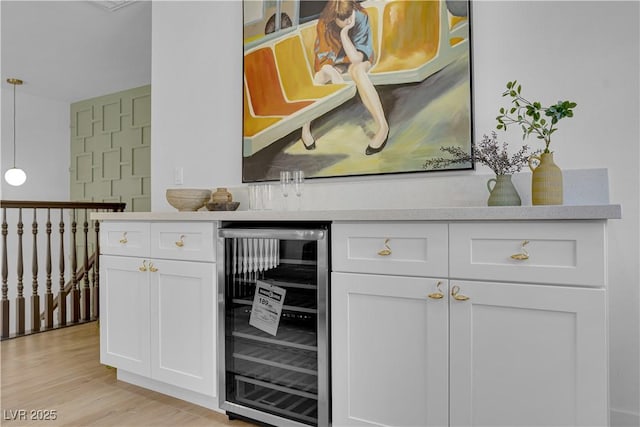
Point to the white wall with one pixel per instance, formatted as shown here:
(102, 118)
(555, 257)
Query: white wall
(583, 51)
(42, 148)
(196, 93)
(42, 145)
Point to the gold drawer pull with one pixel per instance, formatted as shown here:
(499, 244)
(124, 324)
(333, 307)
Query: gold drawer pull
(523, 255)
(144, 266)
(180, 243)
(124, 238)
(456, 295)
(387, 250)
(152, 268)
(439, 294)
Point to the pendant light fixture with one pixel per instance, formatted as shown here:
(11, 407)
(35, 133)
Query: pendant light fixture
(15, 176)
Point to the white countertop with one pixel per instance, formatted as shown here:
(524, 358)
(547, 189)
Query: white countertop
(480, 213)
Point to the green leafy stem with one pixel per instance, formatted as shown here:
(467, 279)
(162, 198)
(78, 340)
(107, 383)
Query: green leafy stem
(532, 116)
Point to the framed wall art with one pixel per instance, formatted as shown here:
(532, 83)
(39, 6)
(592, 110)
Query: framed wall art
(345, 88)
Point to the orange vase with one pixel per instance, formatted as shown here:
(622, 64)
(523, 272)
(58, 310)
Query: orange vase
(546, 180)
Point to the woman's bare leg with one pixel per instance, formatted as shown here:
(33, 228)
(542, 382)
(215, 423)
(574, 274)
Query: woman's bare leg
(326, 74)
(371, 101)
(307, 138)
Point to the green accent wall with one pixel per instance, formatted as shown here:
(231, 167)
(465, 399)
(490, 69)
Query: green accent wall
(111, 149)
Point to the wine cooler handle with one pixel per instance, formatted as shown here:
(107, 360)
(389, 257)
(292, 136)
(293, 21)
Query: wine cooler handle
(265, 233)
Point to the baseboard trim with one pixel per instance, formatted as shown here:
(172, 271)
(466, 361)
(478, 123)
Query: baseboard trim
(620, 418)
(209, 402)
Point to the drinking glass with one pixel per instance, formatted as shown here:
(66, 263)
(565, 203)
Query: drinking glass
(267, 197)
(254, 197)
(260, 197)
(285, 182)
(298, 185)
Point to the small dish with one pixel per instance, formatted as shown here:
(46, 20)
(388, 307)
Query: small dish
(225, 206)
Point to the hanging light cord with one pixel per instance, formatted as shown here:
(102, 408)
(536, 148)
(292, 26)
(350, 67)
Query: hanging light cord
(14, 125)
(15, 176)
(14, 82)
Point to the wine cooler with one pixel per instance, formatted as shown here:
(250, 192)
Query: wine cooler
(273, 363)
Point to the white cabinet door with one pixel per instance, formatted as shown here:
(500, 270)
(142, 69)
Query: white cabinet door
(389, 351)
(527, 355)
(124, 314)
(183, 326)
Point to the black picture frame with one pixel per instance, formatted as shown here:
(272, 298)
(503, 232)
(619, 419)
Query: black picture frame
(427, 103)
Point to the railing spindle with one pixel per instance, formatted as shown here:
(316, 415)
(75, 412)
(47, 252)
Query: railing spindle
(48, 295)
(83, 287)
(20, 312)
(96, 273)
(75, 297)
(86, 289)
(35, 297)
(62, 298)
(4, 307)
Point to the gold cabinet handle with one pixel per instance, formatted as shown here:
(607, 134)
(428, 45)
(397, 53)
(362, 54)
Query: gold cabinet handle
(144, 266)
(458, 297)
(152, 268)
(437, 295)
(124, 238)
(180, 243)
(523, 254)
(387, 250)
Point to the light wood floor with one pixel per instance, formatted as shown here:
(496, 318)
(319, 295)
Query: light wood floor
(60, 371)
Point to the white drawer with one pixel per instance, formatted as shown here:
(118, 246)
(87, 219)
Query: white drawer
(192, 241)
(567, 252)
(124, 238)
(398, 248)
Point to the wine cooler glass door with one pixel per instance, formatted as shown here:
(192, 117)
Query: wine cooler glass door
(275, 325)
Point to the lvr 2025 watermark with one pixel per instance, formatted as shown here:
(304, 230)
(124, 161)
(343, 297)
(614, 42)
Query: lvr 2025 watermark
(29, 414)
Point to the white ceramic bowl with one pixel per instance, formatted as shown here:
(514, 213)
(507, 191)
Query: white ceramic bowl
(188, 199)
